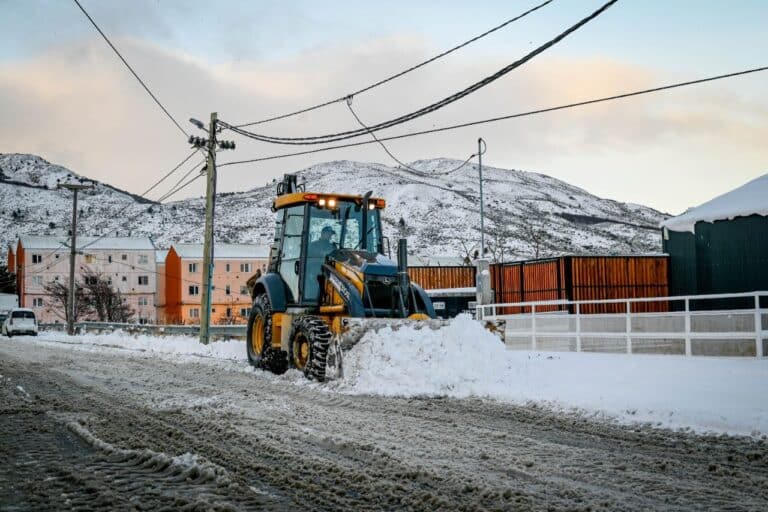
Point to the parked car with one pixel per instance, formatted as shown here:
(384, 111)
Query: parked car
(3, 316)
(19, 322)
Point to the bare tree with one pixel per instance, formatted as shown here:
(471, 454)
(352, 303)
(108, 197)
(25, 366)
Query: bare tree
(59, 300)
(119, 310)
(534, 237)
(107, 303)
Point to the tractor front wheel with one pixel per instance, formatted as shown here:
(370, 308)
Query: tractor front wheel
(261, 354)
(310, 339)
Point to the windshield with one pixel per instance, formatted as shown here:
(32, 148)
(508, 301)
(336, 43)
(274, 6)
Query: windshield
(339, 228)
(23, 314)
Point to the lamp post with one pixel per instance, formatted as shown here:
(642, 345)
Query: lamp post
(481, 148)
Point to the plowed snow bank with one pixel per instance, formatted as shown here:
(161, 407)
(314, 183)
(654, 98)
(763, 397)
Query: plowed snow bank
(463, 360)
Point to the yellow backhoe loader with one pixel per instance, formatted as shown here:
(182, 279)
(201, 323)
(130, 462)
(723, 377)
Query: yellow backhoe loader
(328, 283)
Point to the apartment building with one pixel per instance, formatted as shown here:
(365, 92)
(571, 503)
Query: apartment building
(127, 263)
(234, 264)
(160, 256)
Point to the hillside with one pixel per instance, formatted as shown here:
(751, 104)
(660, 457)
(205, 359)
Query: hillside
(526, 213)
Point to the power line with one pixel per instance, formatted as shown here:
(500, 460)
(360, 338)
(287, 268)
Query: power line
(168, 174)
(408, 167)
(174, 189)
(335, 137)
(401, 73)
(117, 52)
(505, 117)
(178, 189)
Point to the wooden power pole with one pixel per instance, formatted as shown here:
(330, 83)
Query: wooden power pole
(74, 187)
(210, 206)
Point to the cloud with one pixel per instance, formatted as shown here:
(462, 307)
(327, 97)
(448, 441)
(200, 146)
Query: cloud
(78, 106)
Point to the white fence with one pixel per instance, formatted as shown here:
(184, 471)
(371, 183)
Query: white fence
(689, 325)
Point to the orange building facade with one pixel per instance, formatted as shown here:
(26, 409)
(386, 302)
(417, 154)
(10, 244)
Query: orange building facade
(234, 264)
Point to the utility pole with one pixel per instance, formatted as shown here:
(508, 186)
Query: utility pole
(481, 147)
(210, 208)
(74, 187)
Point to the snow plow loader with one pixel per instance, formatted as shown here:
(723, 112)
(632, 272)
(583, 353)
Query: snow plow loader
(328, 283)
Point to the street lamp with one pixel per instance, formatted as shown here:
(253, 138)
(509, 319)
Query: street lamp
(481, 148)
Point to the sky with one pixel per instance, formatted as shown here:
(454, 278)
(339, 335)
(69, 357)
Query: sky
(66, 97)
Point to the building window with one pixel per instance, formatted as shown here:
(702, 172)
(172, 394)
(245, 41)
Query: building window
(90, 258)
(143, 301)
(125, 279)
(227, 267)
(192, 268)
(227, 290)
(245, 267)
(194, 313)
(143, 259)
(243, 290)
(37, 302)
(244, 312)
(37, 258)
(37, 280)
(264, 267)
(194, 289)
(229, 312)
(91, 280)
(124, 257)
(109, 258)
(144, 280)
(143, 321)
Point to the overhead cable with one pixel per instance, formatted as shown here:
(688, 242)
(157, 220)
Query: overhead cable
(503, 118)
(401, 73)
(117, 52)
(335, 137)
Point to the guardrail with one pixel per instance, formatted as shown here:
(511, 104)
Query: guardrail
(230, 331)
(562, 325)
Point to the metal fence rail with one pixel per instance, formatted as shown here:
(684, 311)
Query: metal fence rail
(562, 325)
(229, 331)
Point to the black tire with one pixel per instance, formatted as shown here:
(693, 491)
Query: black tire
(264, 357)
(315, 333)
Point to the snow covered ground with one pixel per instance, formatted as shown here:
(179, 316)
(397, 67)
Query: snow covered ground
(720, 395)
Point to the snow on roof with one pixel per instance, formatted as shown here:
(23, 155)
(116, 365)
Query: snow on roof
(748, 199)
(92, 243)
(224, 251)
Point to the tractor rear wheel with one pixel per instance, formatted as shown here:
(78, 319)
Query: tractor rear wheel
(261, 354)
(310, 339)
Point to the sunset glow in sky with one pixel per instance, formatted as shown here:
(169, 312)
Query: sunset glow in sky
(65, 96)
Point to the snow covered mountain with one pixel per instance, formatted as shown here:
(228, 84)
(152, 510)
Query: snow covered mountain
(434, 206)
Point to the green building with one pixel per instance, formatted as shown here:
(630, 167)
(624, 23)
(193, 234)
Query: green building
(722, 245)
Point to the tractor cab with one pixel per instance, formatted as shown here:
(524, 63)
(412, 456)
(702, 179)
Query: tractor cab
(314, 228)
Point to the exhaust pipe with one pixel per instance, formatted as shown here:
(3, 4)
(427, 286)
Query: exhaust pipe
(402, 256)
(403, 282)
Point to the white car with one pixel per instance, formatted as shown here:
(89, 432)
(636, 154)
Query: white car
(20, 321)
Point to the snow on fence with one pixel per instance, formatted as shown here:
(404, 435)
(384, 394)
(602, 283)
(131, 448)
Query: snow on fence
(689, 325)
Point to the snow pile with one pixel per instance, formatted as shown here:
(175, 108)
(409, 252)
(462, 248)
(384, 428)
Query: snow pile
(748, 199)
(463, 360)
(180, 345)
(459, 360)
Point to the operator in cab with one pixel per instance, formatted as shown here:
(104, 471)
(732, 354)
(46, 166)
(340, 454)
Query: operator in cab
(323, 245)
